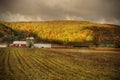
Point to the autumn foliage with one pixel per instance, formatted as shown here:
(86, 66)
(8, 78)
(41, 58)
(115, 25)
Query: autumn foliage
(68, 32)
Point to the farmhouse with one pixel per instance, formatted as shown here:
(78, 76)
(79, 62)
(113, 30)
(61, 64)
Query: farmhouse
(41, 45)
(19, 43)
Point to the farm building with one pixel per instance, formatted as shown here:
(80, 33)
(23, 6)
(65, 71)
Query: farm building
(19, 44)
(41, 45)
(30, 42)
(3, 45)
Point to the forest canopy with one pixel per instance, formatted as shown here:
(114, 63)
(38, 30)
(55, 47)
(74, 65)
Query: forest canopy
(66, 32)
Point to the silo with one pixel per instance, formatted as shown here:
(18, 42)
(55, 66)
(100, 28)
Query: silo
(30, 42)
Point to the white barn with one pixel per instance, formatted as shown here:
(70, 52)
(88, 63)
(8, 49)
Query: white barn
(41, 45)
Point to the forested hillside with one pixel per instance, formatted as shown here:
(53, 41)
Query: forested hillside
(68, 32)
(7, 34)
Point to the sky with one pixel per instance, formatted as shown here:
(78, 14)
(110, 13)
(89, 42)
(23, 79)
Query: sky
(100, 11)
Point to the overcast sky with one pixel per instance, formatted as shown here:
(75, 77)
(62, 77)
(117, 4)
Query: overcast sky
(102, 11)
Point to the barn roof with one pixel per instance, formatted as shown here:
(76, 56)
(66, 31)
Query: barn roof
(30, 38)
(19, 42)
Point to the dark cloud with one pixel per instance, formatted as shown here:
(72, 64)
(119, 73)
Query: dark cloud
(92, 10)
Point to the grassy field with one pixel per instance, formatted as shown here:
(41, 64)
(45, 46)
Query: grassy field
(58, 64)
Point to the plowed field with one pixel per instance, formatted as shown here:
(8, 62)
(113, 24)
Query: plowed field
(58, 64)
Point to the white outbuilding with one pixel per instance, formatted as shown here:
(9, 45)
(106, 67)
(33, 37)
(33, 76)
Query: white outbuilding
(41, 45)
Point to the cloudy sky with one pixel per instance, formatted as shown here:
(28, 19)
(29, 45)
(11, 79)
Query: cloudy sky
(102, 11)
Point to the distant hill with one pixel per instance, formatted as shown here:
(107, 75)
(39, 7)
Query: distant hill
(7, 34)
(67, 32)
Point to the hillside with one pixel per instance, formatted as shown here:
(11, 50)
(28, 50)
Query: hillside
(7, 34)
(68, 32)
